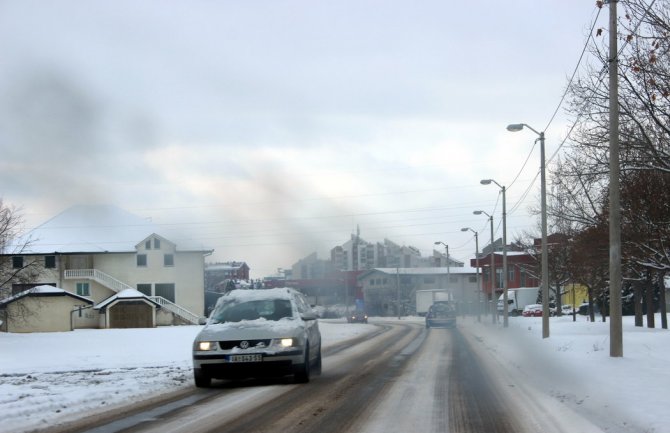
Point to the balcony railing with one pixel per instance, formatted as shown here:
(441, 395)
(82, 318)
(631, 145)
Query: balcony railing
(117, 286)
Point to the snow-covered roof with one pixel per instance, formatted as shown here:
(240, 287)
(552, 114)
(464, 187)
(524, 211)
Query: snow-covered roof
(228, 266)
(44, 290)
(96, 229)
(124, 294)
(425, 271)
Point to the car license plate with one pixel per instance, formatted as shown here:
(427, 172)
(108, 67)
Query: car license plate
(245, 358)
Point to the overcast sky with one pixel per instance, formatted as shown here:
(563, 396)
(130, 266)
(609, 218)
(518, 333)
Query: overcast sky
(272, 129)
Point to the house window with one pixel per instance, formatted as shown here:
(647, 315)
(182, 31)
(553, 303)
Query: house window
(524, 280)
(157, 244)
(49, 262)
(83, 289)
(166, 290)
(510, 275)
(17, 262)
(428, 280)
(168, 260)
(472, 279)
(144, 288)
(372, 281)
(147, 245)
(142, 260)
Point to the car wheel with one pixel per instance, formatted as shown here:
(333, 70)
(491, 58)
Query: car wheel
(301, 375)
(202, 380)
(317, 363)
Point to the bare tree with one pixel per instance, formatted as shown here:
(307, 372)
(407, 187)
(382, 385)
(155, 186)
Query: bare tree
(15, 267)
(581, 178)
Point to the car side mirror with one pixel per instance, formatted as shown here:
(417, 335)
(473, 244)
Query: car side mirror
(308, 316)
(202, 321)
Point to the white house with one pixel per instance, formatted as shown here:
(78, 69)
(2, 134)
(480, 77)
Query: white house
(41, 309)
(382, 286)
(97, 251)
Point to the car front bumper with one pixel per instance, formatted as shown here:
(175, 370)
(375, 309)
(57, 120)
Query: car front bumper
(219, 366)
(436, 323)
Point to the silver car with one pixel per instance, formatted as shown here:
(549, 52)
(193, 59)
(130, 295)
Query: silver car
(258, 333)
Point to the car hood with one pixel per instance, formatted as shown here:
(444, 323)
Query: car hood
(251, 329)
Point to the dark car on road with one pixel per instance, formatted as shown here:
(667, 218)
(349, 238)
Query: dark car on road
(357, 317)
(441, 314)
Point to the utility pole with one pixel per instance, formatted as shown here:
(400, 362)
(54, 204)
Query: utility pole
(505, 284)
(397, 280)
(479, 285)
(616, 331)
(545, 252)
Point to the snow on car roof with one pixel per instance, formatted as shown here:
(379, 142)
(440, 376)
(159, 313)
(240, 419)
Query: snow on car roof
(243, 295)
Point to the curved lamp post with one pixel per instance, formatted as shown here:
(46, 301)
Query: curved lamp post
(504, 241)
(492, 275)
(545, 254)
(446, 247)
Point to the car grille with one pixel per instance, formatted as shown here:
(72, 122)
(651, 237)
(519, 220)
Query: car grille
(228, 345)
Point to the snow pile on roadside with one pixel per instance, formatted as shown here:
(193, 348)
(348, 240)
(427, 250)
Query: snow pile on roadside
(53, 377)
(572, 370)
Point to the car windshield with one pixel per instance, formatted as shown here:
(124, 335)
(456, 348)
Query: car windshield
(443, 308)
(268, 309)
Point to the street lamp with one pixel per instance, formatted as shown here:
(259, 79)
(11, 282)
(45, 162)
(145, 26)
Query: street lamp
(504, 246)
(446, 247)
(479, 288)
(543, 210)
(494, 314)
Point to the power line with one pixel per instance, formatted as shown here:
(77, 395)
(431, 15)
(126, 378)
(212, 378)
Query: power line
(574, 72)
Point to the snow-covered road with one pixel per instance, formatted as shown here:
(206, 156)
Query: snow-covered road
(566, 381)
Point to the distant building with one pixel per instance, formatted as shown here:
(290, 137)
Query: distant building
(334, 280)
(382, 286)
(216, 273)
(521, 270)
(311, 268)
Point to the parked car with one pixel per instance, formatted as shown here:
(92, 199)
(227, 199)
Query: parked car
(441, 314)
(566, 309)
(532, 310)
(258, 333)
(357, 317)
(584, 309)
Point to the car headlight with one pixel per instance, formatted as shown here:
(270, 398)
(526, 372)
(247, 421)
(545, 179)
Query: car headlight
(287, 342)
(205, 345)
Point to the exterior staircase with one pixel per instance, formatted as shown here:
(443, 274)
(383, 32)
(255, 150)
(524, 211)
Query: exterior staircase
(117, 286)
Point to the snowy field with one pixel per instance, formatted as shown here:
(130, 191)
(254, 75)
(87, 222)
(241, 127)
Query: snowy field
(52, 377)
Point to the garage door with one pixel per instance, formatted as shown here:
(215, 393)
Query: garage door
(134, 314)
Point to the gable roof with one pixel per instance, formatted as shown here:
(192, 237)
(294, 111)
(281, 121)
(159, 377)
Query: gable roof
(96, 229)
(127, 294)
(43, 291)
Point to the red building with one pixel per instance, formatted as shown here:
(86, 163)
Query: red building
(217, 272)
(521, 271)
